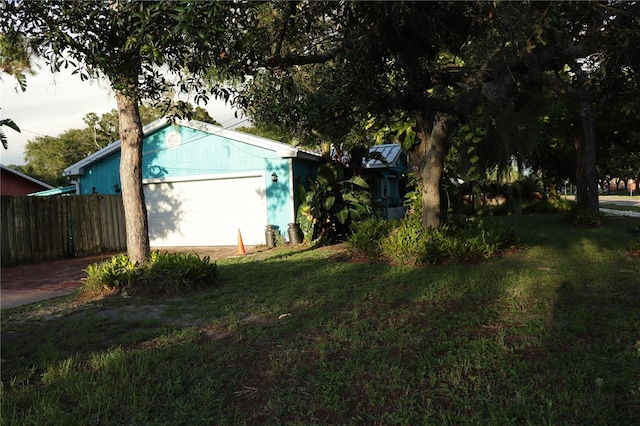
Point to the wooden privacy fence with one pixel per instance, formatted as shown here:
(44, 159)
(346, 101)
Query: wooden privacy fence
(40, 229)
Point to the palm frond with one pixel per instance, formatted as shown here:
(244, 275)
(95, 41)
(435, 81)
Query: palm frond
(11, 124)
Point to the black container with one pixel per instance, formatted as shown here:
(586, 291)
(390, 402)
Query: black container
(270, 234)
(295, 234)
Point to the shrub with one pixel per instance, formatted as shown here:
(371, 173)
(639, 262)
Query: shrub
(163, 274)
(634, 247)
(460, 239)
(548, 206)
(367, 236)
(175, 273)
(114, 274)
(405, 244)
(332, 204)
(532, 206)
(584, 218)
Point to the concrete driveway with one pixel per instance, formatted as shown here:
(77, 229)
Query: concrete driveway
(23, 285)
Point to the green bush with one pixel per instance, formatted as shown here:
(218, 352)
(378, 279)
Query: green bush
(461, 239)
(163, 274)
(584, 218)
(114, 274)
(549, 206)
(634, 247)
(367, 236)
(332, 204)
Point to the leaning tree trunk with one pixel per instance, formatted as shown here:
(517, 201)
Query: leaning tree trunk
(135, 210)
(429, 157)
(590, 156)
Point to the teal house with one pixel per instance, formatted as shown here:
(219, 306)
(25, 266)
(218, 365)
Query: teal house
(386, 171)
(204, 183)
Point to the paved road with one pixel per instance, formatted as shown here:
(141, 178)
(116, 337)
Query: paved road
(620, 200)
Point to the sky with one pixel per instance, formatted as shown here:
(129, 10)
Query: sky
(54, 103)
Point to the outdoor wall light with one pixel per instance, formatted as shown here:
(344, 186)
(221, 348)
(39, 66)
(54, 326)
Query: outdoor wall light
(116, 188)
(274, 177)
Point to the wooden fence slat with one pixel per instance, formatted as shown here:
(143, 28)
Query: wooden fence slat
(8, 230)
(36, 229)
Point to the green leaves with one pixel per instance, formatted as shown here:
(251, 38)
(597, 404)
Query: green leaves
(164, 273)
(461, 239)
(12, 125)
(334, 203)
(400, 127)
(120, 39)
(329, 201)
(357, 180)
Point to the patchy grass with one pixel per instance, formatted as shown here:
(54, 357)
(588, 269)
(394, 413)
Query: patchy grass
(549, 334)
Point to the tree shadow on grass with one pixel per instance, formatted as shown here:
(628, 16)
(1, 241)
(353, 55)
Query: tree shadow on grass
(317, 337)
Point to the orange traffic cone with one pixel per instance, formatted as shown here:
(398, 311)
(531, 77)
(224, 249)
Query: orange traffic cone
(240, 243)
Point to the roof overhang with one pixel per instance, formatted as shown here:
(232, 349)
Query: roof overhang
(391, 153)
(78, 168)
(282, 150)
(25, 177)
(64, 190)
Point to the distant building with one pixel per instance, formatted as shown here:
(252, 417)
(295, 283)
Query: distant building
(13, 182)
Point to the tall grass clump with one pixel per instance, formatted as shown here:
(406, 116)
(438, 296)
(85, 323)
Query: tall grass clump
(633, 248)
(553, 204)
(406, 242)
(368, 235)
(583, 218)
(163, 274)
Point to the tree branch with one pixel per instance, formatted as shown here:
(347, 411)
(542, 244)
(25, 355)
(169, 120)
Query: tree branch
(318, 58)
(283, 30)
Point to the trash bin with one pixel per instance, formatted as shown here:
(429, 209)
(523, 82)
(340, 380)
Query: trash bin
(295, 233)
(270, 236)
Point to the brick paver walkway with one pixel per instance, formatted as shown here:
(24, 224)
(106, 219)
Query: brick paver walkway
(21, 285)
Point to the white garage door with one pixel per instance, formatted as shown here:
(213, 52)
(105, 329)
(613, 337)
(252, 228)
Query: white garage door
(207, 212)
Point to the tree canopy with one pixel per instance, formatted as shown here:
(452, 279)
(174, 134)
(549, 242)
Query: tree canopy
(145, 50)
(486, 83)
(487, 79)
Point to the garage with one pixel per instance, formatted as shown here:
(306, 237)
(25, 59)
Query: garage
(203, 182)
(207, 211)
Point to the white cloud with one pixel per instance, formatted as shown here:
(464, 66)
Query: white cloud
(54, 103)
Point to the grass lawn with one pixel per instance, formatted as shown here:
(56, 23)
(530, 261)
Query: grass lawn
(619, 207)
(548, 334)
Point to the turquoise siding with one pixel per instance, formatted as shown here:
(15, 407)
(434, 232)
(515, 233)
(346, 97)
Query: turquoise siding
(102, 177)
(388, 184)
(303, 170)
(202, 154)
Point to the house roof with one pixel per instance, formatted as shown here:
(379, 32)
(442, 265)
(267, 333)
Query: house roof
(391, 153)
(281, 149)
(25, 177)
(63, 190)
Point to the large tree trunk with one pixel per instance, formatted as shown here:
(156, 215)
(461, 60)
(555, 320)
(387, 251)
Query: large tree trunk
(428, 156)
(135, 210)
(590, 156)
(581, 179)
